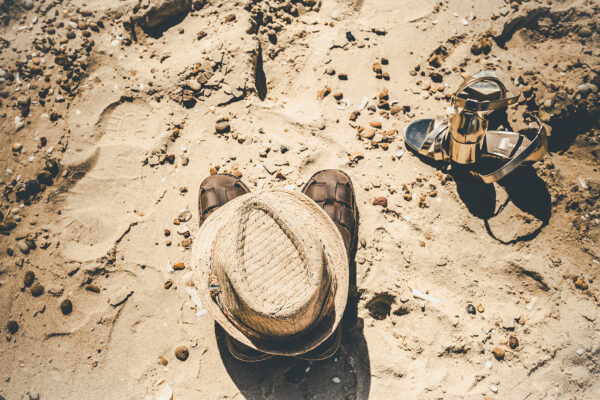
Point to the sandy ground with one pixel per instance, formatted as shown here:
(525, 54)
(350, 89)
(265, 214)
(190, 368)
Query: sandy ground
(109, 112)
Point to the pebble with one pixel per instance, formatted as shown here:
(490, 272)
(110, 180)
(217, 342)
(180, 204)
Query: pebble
(471, 309)
(222, 127)
(18, 122)
(34, 396)
(356, 156)
(380, 201)
(513, 342)
(66, 306)
(494, 388)
(488, 364)
(179, 266)
(28, 278)
(580, 352)
(584, 89)
(92, 288)
(335, 379)
(498, 353)
(480, 308)
(28, 4)
(16, 147)
(581, 284)
(548, 104)
(23, 247)
(37, 290)
(182, 353)
(343, 76)
(12, 327)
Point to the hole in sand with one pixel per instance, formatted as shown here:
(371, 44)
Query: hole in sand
(380, 305)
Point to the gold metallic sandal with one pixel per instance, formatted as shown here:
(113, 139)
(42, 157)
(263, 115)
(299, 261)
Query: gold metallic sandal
(463, 137)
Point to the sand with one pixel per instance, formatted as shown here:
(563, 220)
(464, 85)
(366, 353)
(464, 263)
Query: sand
(125, 96)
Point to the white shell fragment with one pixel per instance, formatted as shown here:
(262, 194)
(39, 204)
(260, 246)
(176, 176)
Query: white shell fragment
(420, 295)
(184, 215)
(335, 379)
(342, 104)
(200, 310)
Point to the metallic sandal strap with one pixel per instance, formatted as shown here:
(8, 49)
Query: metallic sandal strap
(432, 145)
(510, 93)
(537, 142)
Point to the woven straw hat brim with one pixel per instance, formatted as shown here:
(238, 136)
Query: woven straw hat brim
(327, 232)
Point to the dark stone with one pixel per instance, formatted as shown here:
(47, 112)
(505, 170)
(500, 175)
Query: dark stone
(28, 278)
(12, 327)
(471, 309)
(66, 307)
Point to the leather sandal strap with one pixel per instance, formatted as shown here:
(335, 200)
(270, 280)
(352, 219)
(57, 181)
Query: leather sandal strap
(329, 192)
(510, 93)
(519, 158)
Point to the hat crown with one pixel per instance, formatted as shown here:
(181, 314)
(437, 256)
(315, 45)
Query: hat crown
(272, 270)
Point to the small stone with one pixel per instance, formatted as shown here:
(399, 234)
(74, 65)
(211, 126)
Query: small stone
(585, 32)
(28, 4)
(182, 353)
(34, 396)
(230, 18)
(480, 308)
(37, 290)
(395, 109)
(513, 342)
(335, 379)
(28, 278)
(471, 309)
(375, 124)
(162, 361)
(12, 327)
(330, 71)
(494, 388)
(498, 353)
(66, 307)
(338, 95)
(179, 266)
(583, 89)
(92, 288)
(23, 247)
(168, 284)
(581, 284)
(377, 68)
(380, 201)
(356, 156)
(343, 76)
(222, 127)
(16, 147)
(184, 215)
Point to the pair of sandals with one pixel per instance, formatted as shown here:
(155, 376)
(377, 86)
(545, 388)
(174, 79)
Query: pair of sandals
(464, 137)
(330, 189)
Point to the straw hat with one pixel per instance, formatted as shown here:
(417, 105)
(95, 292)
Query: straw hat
(273, 271)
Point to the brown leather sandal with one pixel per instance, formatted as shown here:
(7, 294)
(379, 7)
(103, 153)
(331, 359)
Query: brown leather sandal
(217, 190)
(332, 189)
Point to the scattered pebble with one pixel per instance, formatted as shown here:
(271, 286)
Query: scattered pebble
(37, 290)
(380, 201)
(66, 307)
(498, 353)
(580, 283)
(12, 327)
(335, 379)
(471, 309)
(513, 342)
(28, 278)
(182, 353)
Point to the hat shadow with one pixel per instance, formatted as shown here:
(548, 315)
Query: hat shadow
(292, 378)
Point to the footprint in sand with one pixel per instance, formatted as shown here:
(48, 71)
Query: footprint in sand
(99, 207)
